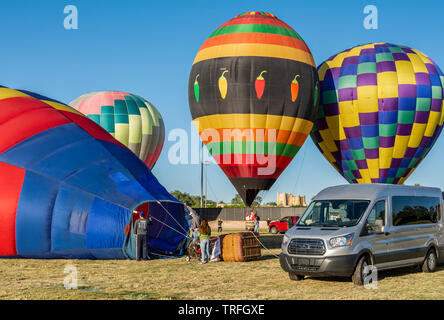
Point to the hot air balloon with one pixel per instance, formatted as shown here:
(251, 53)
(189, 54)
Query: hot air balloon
(381, 110)
(68, 188)
(127, 117)
(252, 98)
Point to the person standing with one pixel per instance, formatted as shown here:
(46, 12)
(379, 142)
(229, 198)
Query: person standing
(204, 237)
(141, 232)
(219, 225)
(268, 222)
(290, 223)
(257, 219)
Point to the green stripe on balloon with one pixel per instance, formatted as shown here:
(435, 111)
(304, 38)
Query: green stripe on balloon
(260, 28)
(95, 118)
(253, 147)
(107, 122)
(132, 107)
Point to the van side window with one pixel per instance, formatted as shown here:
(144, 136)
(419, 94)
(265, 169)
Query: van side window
(377, 213)
(415, 210)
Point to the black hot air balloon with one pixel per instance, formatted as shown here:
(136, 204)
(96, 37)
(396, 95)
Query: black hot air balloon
(253, 98)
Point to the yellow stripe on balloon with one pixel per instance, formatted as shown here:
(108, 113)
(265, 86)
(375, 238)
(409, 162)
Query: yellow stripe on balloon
(135, 132)
(255, 50)
(432, 123)
(253, 121)
(62, 107)
(146, 125)
(406, 73)
(417, 63)
(6, 93)
(328, 141)
(424, 58)
(122, 133)
(400, 146)
(385, 157)
(416, 135)
(373, 168)
(387, 84)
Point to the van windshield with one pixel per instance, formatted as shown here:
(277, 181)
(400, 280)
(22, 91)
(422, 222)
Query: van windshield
(334, 213)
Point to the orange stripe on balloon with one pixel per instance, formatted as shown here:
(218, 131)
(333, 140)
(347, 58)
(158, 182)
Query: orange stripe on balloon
(255, 50)
(254, 37)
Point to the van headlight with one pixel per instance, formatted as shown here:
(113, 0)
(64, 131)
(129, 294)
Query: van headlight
(342, 241)
(285, 241)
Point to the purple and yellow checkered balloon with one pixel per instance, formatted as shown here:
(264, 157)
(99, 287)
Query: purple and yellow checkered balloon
(381, 111)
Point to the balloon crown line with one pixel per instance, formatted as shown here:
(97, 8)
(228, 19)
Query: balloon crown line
(258, 13)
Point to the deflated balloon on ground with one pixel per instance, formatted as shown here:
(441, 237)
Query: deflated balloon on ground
(68, 188)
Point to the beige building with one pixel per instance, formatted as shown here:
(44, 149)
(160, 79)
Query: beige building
(289, 200)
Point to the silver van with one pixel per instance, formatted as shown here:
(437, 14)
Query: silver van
(347, 228)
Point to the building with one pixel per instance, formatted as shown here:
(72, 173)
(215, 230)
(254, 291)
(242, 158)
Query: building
(289, 200)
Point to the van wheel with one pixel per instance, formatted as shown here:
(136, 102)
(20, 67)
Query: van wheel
(295, 277)
(274, 230)
(359, 274)
(429, 264)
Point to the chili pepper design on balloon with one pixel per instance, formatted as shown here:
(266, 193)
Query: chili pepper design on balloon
(196, 88)
(260, 85)
(223, 85)
(294, 88)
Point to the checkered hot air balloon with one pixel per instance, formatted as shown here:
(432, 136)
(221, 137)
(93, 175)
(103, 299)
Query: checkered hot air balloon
(130, 119)
(381, 111)
(253, 100)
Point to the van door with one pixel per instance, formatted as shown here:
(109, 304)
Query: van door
(373, 232)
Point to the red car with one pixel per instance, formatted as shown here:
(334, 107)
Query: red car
(282, 224)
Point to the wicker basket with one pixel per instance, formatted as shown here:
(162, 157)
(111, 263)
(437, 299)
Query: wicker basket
(240, 247)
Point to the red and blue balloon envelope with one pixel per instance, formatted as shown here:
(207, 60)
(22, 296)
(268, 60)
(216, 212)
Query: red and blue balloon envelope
(380, 113)
(252, 98)
(68, 188)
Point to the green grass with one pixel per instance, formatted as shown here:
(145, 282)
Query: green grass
(179, 279)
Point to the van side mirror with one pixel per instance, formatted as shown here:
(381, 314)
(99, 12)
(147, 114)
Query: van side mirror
(379, 226)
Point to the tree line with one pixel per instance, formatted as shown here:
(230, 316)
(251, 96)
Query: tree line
(194, 201)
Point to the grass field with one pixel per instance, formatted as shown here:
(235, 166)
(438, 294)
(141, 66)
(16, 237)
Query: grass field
(179, 279)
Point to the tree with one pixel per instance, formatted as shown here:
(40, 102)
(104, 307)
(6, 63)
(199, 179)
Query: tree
(257, 202)
(237, 199)
(190, 200)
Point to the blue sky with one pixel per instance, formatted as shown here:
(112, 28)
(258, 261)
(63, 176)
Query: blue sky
(147, 48)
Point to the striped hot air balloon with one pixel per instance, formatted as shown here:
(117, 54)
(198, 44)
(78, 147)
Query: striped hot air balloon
(129, 118)
(253, 98)
(381, 110)
(68, 188)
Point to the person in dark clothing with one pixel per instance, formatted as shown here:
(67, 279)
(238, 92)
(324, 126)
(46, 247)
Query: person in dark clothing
(290, 223)
(219, 225)
(141, 232)
(268, 222)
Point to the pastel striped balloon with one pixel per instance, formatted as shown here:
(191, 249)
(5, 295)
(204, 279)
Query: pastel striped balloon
(381, 111)
(129, 118)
